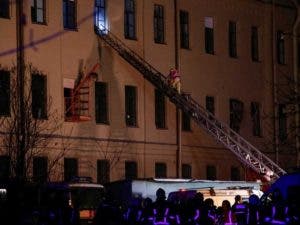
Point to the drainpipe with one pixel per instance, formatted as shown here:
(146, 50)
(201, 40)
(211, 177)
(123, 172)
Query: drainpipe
(20, 160)
(296, 79)
(178, 112)
(275, 100)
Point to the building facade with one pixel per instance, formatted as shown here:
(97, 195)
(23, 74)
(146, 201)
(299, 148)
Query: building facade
(235, 58)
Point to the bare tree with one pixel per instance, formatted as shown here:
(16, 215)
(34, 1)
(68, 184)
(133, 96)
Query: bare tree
(42, 129)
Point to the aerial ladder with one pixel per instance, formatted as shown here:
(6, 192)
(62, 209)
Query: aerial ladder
(245, 152)
(78, 105)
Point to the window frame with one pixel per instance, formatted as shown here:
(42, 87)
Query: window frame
(101, 103)
(160, 109)
(159, 24)
(254, 44)
(232, 39)
(103, 171)
(160, 170)
(35, 9)
(5, 10)
(70, 14)
(280, 47)
(100, 14)
(209, 36)
(130, 19)
(184, 29)
(70, 172)
(40, 169)
(256, 119)
(131, 106)
(39, 100)
(5, 100)
(131, 170)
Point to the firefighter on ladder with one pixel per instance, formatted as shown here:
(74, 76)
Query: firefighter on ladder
(174, 79)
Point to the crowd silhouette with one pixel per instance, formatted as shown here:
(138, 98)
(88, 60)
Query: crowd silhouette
(272, 209)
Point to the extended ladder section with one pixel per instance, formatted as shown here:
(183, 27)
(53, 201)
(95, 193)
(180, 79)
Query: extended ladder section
(247, 153)
(79, 103)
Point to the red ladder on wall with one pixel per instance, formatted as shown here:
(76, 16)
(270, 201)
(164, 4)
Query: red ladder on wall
(78, 105)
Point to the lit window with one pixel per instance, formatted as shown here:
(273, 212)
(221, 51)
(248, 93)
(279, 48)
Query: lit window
(100, 14)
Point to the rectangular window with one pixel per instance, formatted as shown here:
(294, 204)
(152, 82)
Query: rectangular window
(38, 11)
(101, 106)
(160, 109)
(184, 29)
(130, 106)
(255, 116)
(210, 104)
(4, 167)
(103, 171)
(70, 168)
(159, 24)
(129, 19)
(40, 169)
(130, 170)
(211, 172)
(209, 35)
(4, 93)
(280, 48)
(282, 122)
(69, 14)
(186, 172)
(236, 114)
(235, 173)
(100, 14)
(186, 122)
(68, 102)
(39, 96)
(232, 39)
(4, 8)
(254, 44)
(160, 170)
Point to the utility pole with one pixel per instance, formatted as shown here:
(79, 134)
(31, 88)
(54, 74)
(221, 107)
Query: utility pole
(21, 135)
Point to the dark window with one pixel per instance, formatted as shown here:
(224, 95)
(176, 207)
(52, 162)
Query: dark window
(39, 96)
(209, 35)
(4, 167)
(4, 93)
(186, 171)
(130, 106)
(210, 104)
(236, 114)
(255, 116)
(282, 120)
(129, 19)
(232, 39)
(184, 29)
(211, 172)
(69, 14)
(100, 14)
(130, 170)
(280, 48)
(38, 11)
(40, 169)
(186, 122)
(235, 173)
(160, 109)
(160, 170)
(70, 168)
(103, 171)
(159, 24)
(4, 8)
(254, 44)
(69, 110)
(101, 108)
